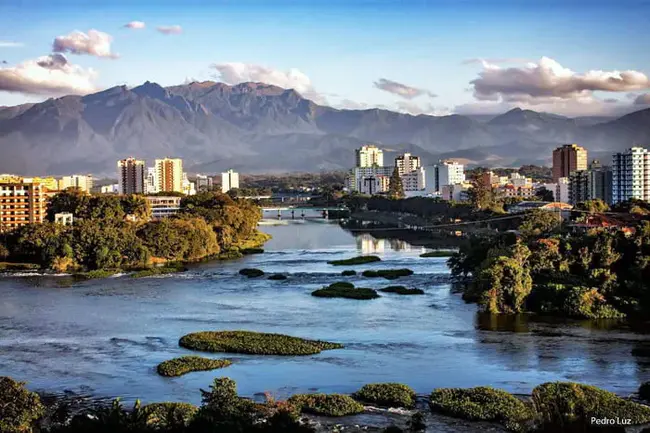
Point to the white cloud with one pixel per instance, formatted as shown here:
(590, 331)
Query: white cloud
(9, 44)
(402, 90)
(642, 99)
(235, 73)
(94, 43)
(135, 25)
(417, 109)
(170, 30)
(547, 82)
(494, 60)
(51, 75)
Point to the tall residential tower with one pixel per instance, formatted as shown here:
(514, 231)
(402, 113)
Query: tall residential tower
(130, 175)
(567, 159)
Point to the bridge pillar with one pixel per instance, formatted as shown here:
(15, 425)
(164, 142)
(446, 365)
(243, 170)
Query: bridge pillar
(293, 212)
(279, 214)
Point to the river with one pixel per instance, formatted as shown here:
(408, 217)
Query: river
(105, 337)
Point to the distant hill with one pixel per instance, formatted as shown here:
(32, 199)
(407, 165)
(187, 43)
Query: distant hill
(255, 127)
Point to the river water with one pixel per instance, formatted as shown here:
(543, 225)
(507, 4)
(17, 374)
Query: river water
(105, 337)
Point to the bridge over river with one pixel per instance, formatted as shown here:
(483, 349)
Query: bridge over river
(304, 212)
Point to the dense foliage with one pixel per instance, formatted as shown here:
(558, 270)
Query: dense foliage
(389, 274)
(359, 260)
(570, 406)
(401, 290)
(349, 273)
(114, 232)
(341, 290)
(437, 253)
(482, 404)
(600, 273)
(326, 404)
(256, 343)
(277, 277)
(19, 408)
(169, 415)
(387, 394)
(395, 187)
(187, 364)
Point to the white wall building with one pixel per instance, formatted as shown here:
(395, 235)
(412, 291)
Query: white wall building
(203, 182)
(358, 173)
(562, 190)
(455, 192)
(110, 189)
(151, 181)
(82, 182)
(369, 156)
(169, 174)
(413, 180)
(376, 184)
(519, 181)
(164, 206)
(229, 180)
(441, 174)
(631, 175)
(407, 163)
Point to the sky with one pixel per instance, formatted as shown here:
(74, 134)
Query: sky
(576, 58)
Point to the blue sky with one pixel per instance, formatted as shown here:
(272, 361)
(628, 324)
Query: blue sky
(342, 48)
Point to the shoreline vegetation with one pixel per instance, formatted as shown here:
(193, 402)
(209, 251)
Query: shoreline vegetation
(187, 364)
(551, 407)
(115, 234)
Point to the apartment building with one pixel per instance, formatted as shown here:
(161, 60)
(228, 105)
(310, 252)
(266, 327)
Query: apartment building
(21, 203)
(407, 163)
(369, 156)
(81, 182)
(567, 159)
(163, 206)
(169, 174)
(631, 175)
(130, 175)
(444, 173)
(229, 180)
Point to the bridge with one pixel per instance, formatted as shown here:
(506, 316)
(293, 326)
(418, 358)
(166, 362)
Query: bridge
(303, 212)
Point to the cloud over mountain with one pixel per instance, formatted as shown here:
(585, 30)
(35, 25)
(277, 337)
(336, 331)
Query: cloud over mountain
(237, 72)
(51, 75)
(547, 81)
(136, 25)
(642, 99)
(93, 43)
(170, 30)
(401, 90)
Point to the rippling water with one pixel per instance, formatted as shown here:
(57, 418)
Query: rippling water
(105, 337)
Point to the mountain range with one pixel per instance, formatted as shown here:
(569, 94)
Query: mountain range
(255, 127)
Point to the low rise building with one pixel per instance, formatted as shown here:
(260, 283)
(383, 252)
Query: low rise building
(81, 182)
(372, 185)
(163, 206)
(413, 180)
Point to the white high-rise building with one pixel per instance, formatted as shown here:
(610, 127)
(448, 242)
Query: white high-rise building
(407, 163)
(189, 188)
(203, 182)
(562, 190)
(359, 173)
(82, 182)
(369, 156)
(130, 175)
(441, 174)
(169, 174)
(229, 180)
(631, 175)
(151, 181)
(414, 180)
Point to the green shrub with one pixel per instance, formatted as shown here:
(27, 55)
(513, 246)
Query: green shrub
(401, 290)
(256, 343)
(482, 404)
(326, 404)
(169, 416)
(567, 405)
(341, 285)
(348, 273)
(277, 277)
(251, 272)
(438, 253)
(4, 266)
(91, 275)
(248, 251)
(19, 408)
(389, 274)
(644, 391)
(187, 364)
(345, 292)
(359, 260)
(387, 394)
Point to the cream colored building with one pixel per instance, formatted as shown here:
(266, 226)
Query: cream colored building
(169, 174)
(130, 174)
(82, 182)
(369, 156)
(21, 203)
(229, 180)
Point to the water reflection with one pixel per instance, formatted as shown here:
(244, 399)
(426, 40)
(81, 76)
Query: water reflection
(368, 244)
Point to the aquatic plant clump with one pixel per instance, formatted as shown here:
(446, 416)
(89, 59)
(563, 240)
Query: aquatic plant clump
(389, 274)
(437, 253)
(564, 404)
(345, 292)
(359, 260)
(187, 364)
(161, 270)
(349, 273)
(256, 343)
(401, 290)
(326, 404)
(342, 285)
(277, 277)
(387, 394)
(482, 404)
(249, 251)
(251, 272)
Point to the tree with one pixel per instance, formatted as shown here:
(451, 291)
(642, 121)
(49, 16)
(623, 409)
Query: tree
(538, 223)
(19, 408)
(481, 194)
(395, 187)
(503, 285)
(544, 194)
(593, 206)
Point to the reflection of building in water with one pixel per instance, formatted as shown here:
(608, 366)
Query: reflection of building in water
(400, 245)
(368, 244)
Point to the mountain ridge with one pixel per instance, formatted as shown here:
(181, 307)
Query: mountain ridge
(257, 127)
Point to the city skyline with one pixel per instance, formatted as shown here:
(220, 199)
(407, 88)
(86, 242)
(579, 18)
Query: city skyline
(455, 57)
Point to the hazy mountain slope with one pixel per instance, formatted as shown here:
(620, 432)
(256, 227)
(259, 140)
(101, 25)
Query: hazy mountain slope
(257, 127)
